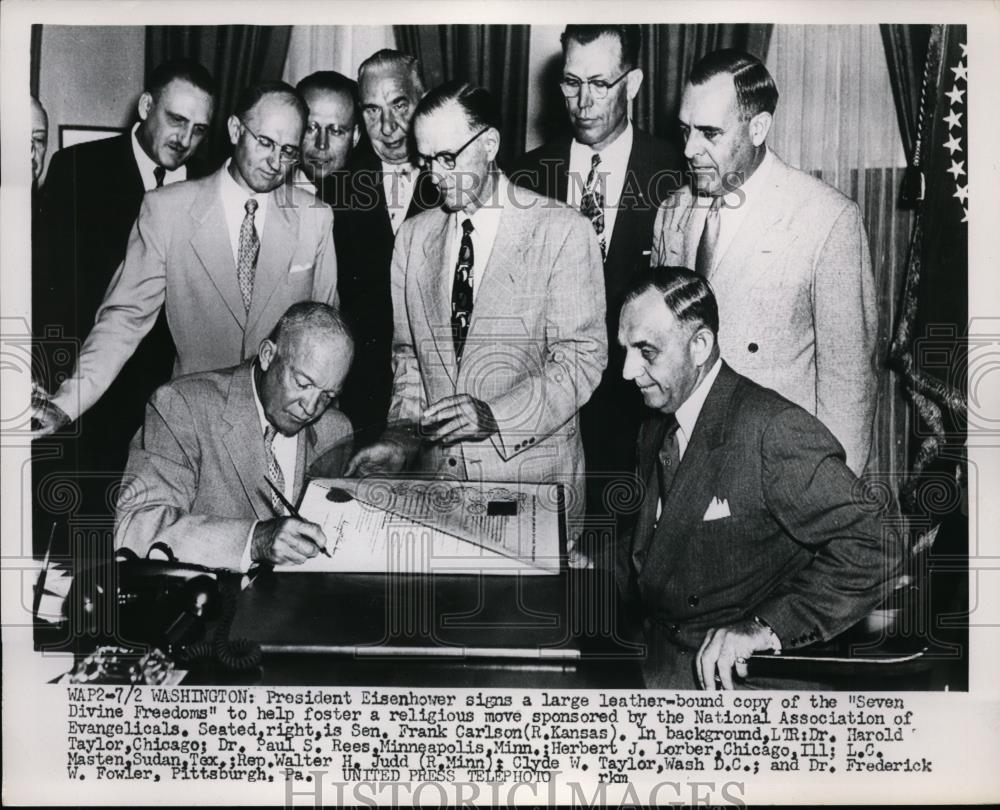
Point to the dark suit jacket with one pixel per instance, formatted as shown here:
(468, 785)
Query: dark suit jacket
(195, 476)
(798, 548)
(364, 240)
(90, 200)
(611, 419)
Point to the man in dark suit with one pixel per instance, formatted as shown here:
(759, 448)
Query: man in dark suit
(197, 473)
(90, 200)
(385, 189)
(617, 175)
(750, 536)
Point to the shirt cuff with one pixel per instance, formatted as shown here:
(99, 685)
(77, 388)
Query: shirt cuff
(245, 560)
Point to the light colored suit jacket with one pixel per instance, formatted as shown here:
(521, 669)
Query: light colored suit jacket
(536, 345)
(797, 301)
(179, 256)
(195, 474)
(793, 544)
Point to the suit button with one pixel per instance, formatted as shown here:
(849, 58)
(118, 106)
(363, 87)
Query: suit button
(452, 462)
(752, 348)
(693, 600)
(675, 628)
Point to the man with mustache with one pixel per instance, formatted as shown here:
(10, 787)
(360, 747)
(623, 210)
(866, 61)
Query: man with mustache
(224, 256)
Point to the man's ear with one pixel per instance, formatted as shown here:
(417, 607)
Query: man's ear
(634, 82)
(491, 139)
(145, 105)
(702, 344)
(760, 125)
(266, 353)
(233, 125)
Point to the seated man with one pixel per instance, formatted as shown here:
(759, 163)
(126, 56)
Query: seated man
(197, 472)
(751, 536)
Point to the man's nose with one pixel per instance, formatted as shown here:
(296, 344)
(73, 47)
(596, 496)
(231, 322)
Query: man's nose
(586, 100)
(388, 123)
(311, 402)
(185, 136)
(692, 145)
(629, 371)
(322, 139)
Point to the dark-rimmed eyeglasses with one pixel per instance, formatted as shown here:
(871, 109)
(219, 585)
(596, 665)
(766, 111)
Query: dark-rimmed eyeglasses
(447, 159)
(286, 152)
(572, 86)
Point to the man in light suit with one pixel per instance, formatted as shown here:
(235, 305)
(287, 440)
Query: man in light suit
(225, 256)
(750, 536)
(632, 173)
(498, 302)
(786, 254)
(197, 473)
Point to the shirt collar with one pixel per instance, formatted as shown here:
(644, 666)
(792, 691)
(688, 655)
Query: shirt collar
(616, 151)
(752, 185)
(261, 416)
(486, 218)
(687, 413)
(406, 168)
(147, 165)
(234, 196)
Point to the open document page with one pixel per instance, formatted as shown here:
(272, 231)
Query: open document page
(388, 525)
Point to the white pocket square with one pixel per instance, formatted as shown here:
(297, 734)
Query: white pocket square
(717, 509)
(298, 268)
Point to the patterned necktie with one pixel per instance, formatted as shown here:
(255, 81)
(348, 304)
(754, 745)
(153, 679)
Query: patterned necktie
(274, 469)
(592, 202)
(249, 248)
(160, 174)
(461, 290)
(709, 239)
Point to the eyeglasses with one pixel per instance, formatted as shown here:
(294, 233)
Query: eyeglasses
(447, 159)
(287, 153)
(572, 86)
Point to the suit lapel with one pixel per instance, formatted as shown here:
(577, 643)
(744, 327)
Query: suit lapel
(210, 243)
(244, 441)
(434, 280)
(276, 248)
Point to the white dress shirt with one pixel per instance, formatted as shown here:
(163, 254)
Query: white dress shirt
(146, 166)
(485, 224)
(736, 204)
(612, 170)
(285, 449)
(398, 181)
(234, 199)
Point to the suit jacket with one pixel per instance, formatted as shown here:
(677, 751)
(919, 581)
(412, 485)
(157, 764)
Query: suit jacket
(365, 239)
(798, 548)
(797, 301)
(195, 474)
(611, 418)
(535, 347)
(89, 202)
(179, 258)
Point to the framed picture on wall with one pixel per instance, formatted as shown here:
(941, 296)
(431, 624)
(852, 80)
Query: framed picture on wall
(72, 134)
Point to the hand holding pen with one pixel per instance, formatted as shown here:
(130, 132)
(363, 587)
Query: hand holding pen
(287, 539)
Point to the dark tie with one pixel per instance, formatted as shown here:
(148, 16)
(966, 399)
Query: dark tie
(592, 202)
(461, 290)
(160, 174)
(274, 469)
(246, 266)
(709, 239)
(667, 460)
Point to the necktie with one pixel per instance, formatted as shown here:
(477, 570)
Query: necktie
(709, 239)
(274, 469)
(249, 248)
(461, 290)
(159, 173)
(667, 460)
(592, 202)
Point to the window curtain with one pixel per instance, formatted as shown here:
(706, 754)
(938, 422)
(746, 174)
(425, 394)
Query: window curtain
(493, 56)
(669, 52)
(235, 55)
(36, 58)
(333, 47)
(836, 119)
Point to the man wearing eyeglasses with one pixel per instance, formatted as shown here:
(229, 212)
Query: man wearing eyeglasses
(225, 256)
(616, 175)
(498, 307)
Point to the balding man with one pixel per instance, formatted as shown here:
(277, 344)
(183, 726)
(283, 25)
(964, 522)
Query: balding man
(39, 138)
(197, 473)
(225, 255)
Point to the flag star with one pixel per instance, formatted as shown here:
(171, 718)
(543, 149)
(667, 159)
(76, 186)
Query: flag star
(954, 119)
(955, 95)
(965, 215)
(965, 50)
(957, 169)
(962, 192)
(952, 144)
(961, 72)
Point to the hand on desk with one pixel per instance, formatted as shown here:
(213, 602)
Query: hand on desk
(285, 540)
(458, 418)
(726, 647)
(46, 416)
